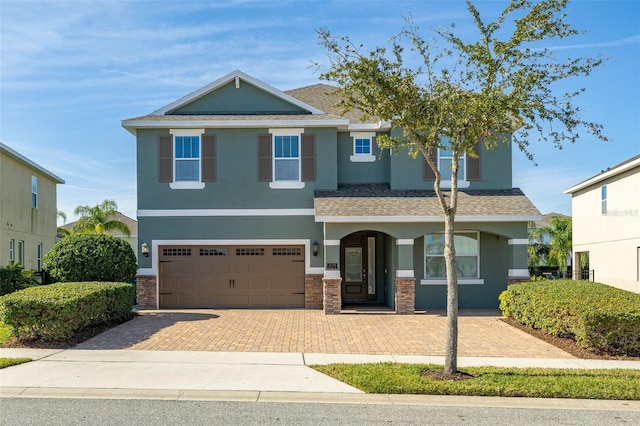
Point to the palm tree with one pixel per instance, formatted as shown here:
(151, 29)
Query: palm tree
(60, 230)
(99, 218)
(561, 240)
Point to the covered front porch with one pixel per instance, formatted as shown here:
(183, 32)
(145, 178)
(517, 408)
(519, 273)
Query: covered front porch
(382, 248)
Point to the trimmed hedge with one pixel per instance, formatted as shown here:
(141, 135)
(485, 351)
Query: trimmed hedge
(598, 317)
(57, 311)
(91, 257)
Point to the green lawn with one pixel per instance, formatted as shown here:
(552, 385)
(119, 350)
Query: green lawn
(8, 362)
(390, 378)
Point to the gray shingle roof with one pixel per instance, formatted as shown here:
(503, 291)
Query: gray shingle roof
(325, 98)
(378, 200)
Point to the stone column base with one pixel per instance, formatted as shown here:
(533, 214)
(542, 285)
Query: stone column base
(146, 294)
(405, 296)
(313, 289)
(332, 296)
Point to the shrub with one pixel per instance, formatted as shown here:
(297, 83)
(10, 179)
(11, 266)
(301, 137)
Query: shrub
(90, 257)
(57, 311)
(13, 278)
(597, 316)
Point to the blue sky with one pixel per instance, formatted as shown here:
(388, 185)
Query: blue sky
(72, 70)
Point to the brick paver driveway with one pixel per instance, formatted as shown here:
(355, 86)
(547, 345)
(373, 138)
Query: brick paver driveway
(481, 333)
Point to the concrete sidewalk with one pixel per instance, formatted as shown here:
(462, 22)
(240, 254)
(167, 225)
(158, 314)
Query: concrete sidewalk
(246, 376)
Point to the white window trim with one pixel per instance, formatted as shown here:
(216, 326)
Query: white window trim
(186, 184)
(362, 158)
(12, 250)
(286, 184)
(463, 281)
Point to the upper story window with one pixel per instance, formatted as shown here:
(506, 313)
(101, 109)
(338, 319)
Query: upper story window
(467, 246)
(362, 147)
(468, 166)
(603, 198)
(34, 192)
(286, 158)
(187, 158)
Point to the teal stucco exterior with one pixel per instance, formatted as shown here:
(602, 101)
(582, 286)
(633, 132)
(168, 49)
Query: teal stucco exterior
(378, 206)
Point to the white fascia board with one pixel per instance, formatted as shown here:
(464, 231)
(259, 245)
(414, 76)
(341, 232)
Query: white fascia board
(381, 125)
(426, 219)
(603, 176)
(223, 212)
(132, 125)
(226, 79)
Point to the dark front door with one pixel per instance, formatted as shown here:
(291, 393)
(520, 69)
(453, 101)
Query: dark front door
(357, 267)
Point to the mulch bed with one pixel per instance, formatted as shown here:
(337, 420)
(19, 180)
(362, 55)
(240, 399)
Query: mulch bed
(440, 375)
(79, 337)
(567, 344)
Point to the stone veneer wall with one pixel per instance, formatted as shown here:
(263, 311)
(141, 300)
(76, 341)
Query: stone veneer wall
(405, 296)
(332, 296)
(313, 289)
(146, 294)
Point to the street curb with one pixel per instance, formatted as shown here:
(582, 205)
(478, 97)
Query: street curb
(321, 398)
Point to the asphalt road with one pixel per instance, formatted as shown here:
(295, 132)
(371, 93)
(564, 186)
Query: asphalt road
(50, 411)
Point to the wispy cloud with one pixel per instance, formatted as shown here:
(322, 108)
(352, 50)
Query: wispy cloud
(598, 45)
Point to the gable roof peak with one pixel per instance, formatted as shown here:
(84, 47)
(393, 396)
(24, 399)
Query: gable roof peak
(238, 76)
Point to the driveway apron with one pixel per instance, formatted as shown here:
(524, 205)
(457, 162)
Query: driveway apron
(481, 333)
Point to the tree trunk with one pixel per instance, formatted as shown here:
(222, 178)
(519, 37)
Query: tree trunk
(451, 351)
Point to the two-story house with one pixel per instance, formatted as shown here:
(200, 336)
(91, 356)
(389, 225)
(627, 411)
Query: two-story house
(253, 197)
(28, 210)
(606, 224)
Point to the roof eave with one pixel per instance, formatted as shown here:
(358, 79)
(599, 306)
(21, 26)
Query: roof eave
(423, 219)
(133, 125)
(21, 158)
(604, 176)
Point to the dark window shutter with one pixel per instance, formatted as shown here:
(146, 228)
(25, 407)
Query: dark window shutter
(473, 164)
(264, 158)
(308, 157)
(208, 158)
(165, 158)
(428, 172)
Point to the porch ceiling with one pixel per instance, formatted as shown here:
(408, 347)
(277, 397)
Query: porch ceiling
(379, 201)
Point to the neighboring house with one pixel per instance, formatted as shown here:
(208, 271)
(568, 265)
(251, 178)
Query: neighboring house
(28, 210)
(606, 224)
(253, 197)
(131, 223)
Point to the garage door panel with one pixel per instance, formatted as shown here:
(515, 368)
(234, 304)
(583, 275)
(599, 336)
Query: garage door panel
(243, 277)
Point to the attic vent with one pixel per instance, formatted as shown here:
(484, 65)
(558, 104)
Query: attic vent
(237, 82)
